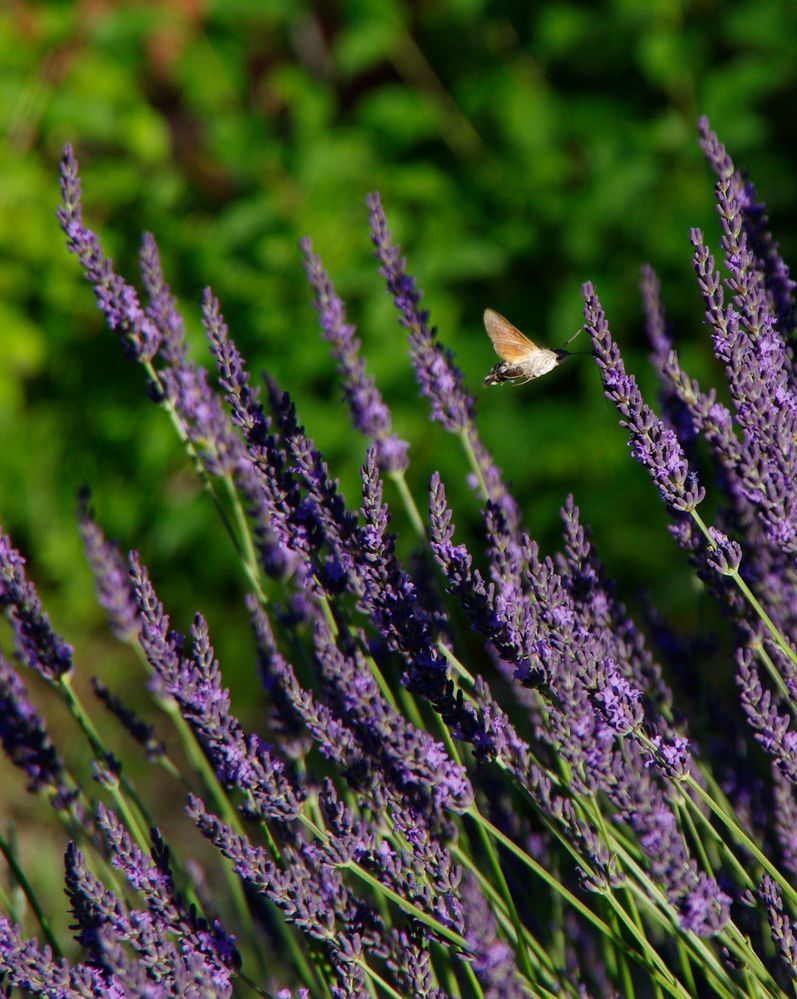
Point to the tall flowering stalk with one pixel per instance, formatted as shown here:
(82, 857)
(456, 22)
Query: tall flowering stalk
(475, 780)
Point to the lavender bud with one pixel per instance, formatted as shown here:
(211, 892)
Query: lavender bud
(724, 555)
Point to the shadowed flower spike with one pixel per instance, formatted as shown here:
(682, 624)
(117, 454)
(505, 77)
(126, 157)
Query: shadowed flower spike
(768, 261)
(27, 965)
(369, 413)
(755, 355)
(141, 731)
(438, 377)
(782, 929)
(26, 741)
(114, 591)
(117, 300)
(194, 681)
(440, 381)
(41, 648)
(652, 443)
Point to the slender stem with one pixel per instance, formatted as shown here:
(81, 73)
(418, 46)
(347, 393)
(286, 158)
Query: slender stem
(741, 836)
(751, 598)
(30, 895)
(409, 503)
(474, 463)
(118, 784)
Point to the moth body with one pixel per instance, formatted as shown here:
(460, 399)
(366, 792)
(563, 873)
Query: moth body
(522, 360)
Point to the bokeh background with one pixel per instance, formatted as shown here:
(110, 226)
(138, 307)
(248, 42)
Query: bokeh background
(520, 149)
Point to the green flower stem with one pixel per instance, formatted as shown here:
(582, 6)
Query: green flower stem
(117, 785)
(648, 890)
(257, 989)
(647, 956)
(689, 822)
(544, 963)
(27, 890)
(540, 871)
(249, 552)
(492, 855)
(402, 903)
(751, 598)
(377, 978)
(457, 666)
(498, 873)
(475, 984)
(657, 906)
(740, 835)
(474, 464)
(200, 469)
(400, 480)
(686, 968)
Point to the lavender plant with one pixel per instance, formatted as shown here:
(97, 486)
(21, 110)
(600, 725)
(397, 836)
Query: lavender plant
(530, 812)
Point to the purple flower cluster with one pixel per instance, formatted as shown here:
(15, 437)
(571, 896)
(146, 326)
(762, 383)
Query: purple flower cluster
(469, 774)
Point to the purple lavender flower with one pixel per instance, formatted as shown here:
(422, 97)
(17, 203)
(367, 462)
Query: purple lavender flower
(652, 444)
(772, 729)
(241, 761)
(151, 877)
(162, 305)
(110, 573)
(26, 741)
(116, 299)
(618, 700)
(440, 381)
(27, 965)
(141, 731)
(782, 929)
(41, 648)
(768, 261)
(437, 375)
(369, 413)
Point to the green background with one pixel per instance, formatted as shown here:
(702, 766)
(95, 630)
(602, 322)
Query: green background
(520, 149)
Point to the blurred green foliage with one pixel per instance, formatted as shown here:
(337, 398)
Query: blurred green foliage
(520, 149)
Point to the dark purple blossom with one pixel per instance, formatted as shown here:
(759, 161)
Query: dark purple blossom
(40, 647)
(438, 377)
(369, 413)
(194, 680)
(110, 574)
(116, 299)
(26, 741)
(782, 929)
(652, 443)
(27, 965)
(773, 729)
(141, 731)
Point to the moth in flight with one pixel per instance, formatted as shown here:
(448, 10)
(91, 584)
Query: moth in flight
(522, 360)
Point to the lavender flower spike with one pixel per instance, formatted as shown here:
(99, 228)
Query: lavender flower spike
(439, 379)
(116, 299)
(42, 649)
(110, 573)
(25, 739)
(653, 444)
(369, 413)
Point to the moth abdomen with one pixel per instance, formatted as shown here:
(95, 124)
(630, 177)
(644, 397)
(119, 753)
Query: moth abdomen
(503, 372)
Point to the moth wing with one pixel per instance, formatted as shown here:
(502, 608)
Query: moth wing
(510, 344)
